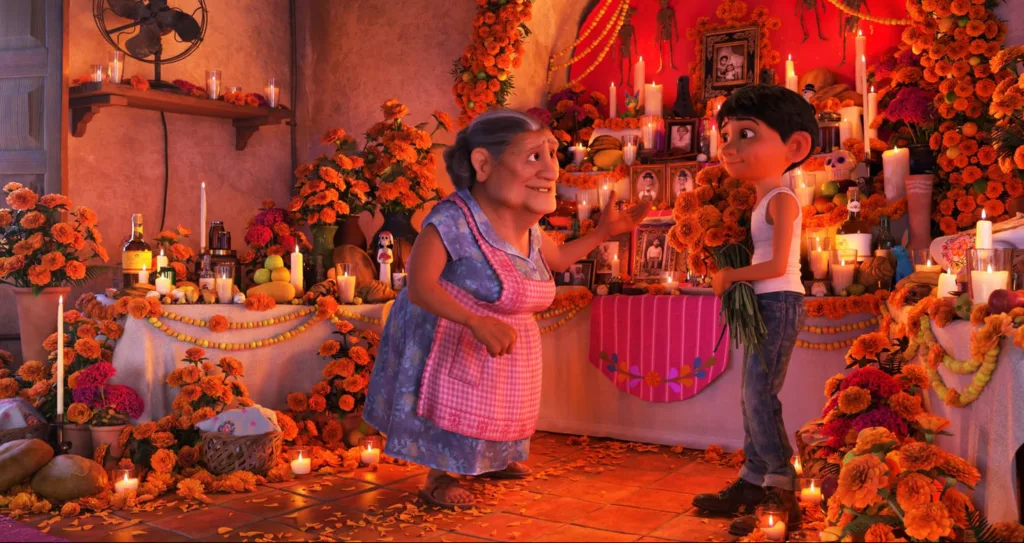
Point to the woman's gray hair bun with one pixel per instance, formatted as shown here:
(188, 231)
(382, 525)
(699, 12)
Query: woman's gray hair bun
(493, 131)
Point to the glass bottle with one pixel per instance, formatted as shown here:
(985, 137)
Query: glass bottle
(206, 276)
(855, 232)
(884, 242)
(135, 255)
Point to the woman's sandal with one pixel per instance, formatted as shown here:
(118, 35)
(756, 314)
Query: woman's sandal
(435, 493)
(515, 470)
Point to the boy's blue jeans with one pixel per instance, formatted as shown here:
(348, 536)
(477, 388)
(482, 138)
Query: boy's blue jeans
(766, 443)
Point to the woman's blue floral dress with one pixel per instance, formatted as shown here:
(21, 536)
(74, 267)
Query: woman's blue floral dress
(407, 339)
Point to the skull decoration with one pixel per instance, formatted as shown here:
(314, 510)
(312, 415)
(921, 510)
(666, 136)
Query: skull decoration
(385, 246)
(840, 164)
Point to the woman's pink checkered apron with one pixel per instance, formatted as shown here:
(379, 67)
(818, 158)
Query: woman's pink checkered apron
(467, 391)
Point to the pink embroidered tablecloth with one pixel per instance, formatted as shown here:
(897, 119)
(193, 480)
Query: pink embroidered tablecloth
(658, 348)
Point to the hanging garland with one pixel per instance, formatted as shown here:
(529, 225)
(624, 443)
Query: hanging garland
(483, 77)
(618, 19)
(829, 330)
(586, 32)
(867, 16)
(239, 325)
(826, 346)
(231, 346)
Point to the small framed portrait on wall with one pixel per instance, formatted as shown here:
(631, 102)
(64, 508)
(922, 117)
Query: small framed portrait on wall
(652, 255)
(580, 274)
(647, 183)
(731, 60)
(682, 177)
(682, 136)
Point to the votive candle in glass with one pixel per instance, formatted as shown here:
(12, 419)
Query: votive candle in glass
(271, 91)
(301, 463)
(990, 271)
(844, 267)
(115, 66)
(96, 72)
(214, 83)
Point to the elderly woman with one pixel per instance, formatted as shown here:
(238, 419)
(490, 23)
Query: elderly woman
(456, 386)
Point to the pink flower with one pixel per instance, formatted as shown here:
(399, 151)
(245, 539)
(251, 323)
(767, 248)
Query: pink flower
(258, 236)
(287, 241)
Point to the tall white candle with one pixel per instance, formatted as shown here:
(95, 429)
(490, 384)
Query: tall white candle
(864, 95)
(638, 79)
(612, 101)
(615, 265)
(895, 169)
(861, 51)
(818, 260)
(792, 82)
(161, 260)
(984, 283)
(790, 66)
(60, 359)
(714, 144)
(579, 152)
(872, 112)
(202, 218)
(629, 153)
(603, 195)
(296, 276)
(853, 115)
(983, 233)
(583, 209)
(947, 284)
(845, 130)
(648, 134)
(653, 97)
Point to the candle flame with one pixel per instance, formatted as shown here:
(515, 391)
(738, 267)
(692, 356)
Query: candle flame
(842, 262)
(872, 88)
(143, 267)
(615, 257)
(790, 57)
(300, 455)
(125, 477)
(812, 487)
(641, 59)
(929, 263)
(990, 268)
(161, 251)
(860, 33)
(61, 300)
(949, 271)
(296, 248)
(982, 214)
(771, 520)
(204, 184)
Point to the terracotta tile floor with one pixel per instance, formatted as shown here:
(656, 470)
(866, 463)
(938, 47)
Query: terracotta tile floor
(600, 491)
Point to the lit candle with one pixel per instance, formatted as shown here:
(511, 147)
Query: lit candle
(845, 130)
(984, 283)
(804, 193)
(629, 153)
(579, 152)
(895, 168)
(346, 283)
(861, 47)
(612, 101)
(225, 292)
(947, 284)
(604, 195)
(811, 494)
(638, 80)
(163, 284)
(983, 233)
(790, 66)
(714, 144)
(872, 109)
(583, 209)
(653, 97)
(927, 267)
(853, 114)
(398, 280)
(864, 96)
(60, 359)
(202, 218)
(773, 529)
(792, 82)
(301, 466)
(842, 275)
(271, 92)
(669, 282)
(369, 456)
(796, 465)
(296, 271)
(615, 265)
(161, 260)
(126, 484)
(648, 133)
(144, 275)
(818, 260)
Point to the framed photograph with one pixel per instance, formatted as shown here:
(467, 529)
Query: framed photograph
(731, 60)
(682, 136)
(682, 177)
(646, 183)
(652, 255)
(605, 253)
(580, 274)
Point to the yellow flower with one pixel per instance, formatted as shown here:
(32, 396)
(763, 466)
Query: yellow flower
(928, 522)
(79, 413)
(860, 480)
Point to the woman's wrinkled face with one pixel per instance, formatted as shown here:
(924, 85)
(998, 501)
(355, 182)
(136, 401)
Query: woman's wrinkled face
(525, 175)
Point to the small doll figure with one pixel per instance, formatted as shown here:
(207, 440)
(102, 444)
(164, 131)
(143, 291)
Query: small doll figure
(809, 91)
(385, 256)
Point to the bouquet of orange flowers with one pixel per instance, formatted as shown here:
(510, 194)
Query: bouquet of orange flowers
(399, 160)
(271, 232)
(40, 250)
(713, 229)
(179, 255)
(331, 188)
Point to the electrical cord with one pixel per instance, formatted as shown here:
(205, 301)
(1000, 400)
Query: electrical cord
(167, 173)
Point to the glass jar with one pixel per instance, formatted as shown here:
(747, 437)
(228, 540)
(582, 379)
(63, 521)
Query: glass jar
(828, 130)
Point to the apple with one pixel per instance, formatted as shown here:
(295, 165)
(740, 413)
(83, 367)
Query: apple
(262, 275)
(830, 189)
(823, 204)
(273, 262)
(840, 200)
(1002, 301)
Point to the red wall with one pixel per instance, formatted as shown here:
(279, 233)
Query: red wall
(813, 53)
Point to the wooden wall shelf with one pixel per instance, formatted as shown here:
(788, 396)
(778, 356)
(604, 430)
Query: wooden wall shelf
(87, 100)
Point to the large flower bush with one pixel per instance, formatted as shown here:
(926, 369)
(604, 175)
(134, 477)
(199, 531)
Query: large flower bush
(905, 110)
(179, 256)
(111, 404)
(271, 232)
(331, 188)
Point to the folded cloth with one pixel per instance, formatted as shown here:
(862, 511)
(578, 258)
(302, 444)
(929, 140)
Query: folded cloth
(244, 421)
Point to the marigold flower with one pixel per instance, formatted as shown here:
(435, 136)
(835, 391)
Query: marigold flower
(218, 323)
(79, 413)
(959, 469)
(853, 400)
(860, 480)
(905, 405)
(879, 533)
(22, 199)
(868, 438)
(346, 403)
(918, 456)
(928, 522)
(913, 490)
(163, 461)
(297, 402)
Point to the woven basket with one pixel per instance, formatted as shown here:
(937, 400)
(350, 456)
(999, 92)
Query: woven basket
(225, 453)
(34, 431)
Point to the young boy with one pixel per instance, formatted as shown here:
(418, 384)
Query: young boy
(766, 131)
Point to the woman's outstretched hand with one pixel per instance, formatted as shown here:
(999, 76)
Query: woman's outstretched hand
(616, 222)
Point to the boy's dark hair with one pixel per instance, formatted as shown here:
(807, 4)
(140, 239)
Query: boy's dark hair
(779, 108)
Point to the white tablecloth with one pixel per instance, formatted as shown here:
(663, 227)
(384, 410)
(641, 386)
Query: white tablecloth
(989, 431)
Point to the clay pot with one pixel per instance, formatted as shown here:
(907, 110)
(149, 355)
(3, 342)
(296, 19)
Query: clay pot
(37, 318)
(109, 435)
(80, 437)
(919, 210)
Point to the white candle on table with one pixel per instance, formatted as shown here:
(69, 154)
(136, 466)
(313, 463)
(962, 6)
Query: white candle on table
(615, 265)
(872, 109)
(842, 275)
(225, 292)
(346, 287)
(984, 283)
(604, 195)
(845, 130)
(202, 218)
(773, 529)
(579, 152)
(804, 193)
(669, 283)
(369, 455)
(790, 66)
(301, 466)
(612, 101)
(638, 80)
(983, 233)
(818, 260)
(583, 209)
(947, 284)
(144, 275)
(853, 115)
(861, 45)
(928, 266)
(792, 82)
(895, 168)
(60, 359)
(648, 134)
(163, 285)
(811, 495)
(714, 144)
(653, 96)
(629, 153)
(126, 484)
(296, 271)
(161, 260)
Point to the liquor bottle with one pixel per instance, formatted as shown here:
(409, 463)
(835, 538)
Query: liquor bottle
(136, 254)
(884, 242)
(855, 233)
(206, 276)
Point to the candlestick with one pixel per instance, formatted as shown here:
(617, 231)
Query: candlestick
(144, 275)
(795, 461)
(713, 156)
(296, 271)
(810, 491)
(792, 82)
(653, 97)
(115, 66)
(638, 80)
(579, 152)
(648, 133)
(860, 44)
(60, 359)
(863, 86)
(790, 66)
(346, 283)
(896, 168)
(124, 482)
(202, 218)
(302, 464)
(271, 92)
(161, 260)
(947, 284)
(983, 233)
(872, 109)
(213, 83)
(612, 101)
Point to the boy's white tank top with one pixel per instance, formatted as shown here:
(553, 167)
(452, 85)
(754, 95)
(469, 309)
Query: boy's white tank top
(761, 232)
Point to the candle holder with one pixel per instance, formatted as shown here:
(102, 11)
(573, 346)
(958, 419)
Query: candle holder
(810, 490)
(225, 282)
(96, 72)
(271, 91)
(818, 254)
(630, 144)
(165, 280)
(301, 463)
(234, 89)
(584, 205)
(346, 282)
(370, 450)
(990, 271)
(125, 480)
(922, 260)
(214, 80)
(56, 439)
(771, 520)
(843, 267)
(115, 66)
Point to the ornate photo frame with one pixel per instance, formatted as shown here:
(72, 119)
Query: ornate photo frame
(731, 60)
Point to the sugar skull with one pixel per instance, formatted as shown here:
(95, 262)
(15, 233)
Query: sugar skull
(385, 246)
(839, 165)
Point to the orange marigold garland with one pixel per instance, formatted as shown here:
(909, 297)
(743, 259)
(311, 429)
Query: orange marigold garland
(483, 75)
